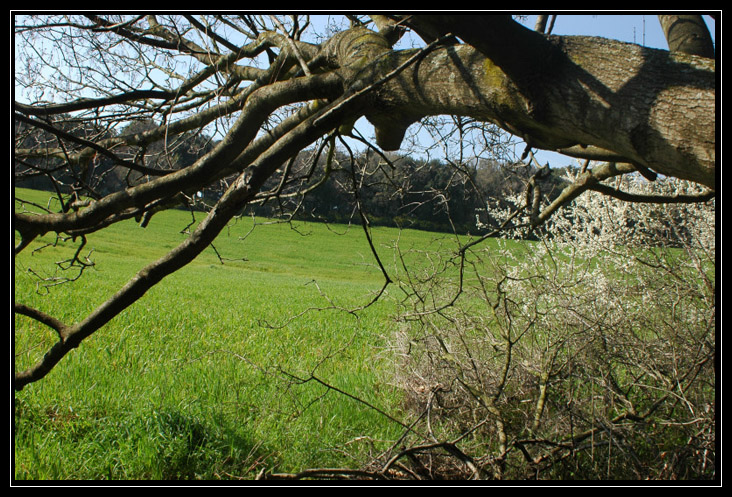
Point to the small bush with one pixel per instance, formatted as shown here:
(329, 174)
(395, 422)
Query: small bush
(589, 354)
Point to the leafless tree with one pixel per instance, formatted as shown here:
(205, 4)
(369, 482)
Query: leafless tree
(589, 353)
(269, 90)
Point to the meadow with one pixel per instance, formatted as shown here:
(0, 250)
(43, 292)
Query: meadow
(269, 353)
(221, 370)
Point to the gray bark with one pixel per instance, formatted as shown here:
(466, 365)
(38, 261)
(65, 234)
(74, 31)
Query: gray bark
(687, 34)
(650, 107)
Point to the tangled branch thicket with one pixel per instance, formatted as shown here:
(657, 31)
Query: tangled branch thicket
(589, 353)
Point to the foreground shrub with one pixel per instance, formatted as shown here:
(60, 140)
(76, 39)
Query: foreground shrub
(587, 354)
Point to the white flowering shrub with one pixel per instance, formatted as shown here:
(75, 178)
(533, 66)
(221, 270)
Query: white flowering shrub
(588, 353)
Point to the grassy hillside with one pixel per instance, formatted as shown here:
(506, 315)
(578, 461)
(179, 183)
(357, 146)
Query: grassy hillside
(249, 358)
(207, 376)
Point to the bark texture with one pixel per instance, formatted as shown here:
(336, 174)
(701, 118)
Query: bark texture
(687, 34)
(650, 107)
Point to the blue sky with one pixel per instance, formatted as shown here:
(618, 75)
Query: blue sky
(643, 29)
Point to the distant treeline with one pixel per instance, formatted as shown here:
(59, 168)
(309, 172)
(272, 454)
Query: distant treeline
(391, 189)
(409, 192)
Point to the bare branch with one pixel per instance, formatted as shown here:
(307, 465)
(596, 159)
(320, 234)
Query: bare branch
(50, 321)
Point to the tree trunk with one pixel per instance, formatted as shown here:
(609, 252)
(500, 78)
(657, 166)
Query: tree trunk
(687, 34)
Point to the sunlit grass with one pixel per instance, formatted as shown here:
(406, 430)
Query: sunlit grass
(206, 376)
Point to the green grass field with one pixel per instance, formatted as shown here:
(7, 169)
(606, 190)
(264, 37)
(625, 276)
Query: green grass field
(226, 369)
(203, 376)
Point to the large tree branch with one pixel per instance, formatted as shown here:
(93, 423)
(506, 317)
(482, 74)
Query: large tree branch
(256, 110)
(242, 191)
(298, 132)
(91, 103)
(687, 34)
(651, 107)
(522, 54)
